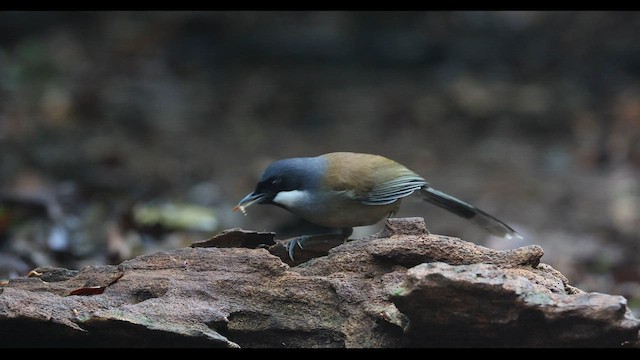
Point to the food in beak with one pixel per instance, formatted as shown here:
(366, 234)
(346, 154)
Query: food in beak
(241, 208)
(246, 202)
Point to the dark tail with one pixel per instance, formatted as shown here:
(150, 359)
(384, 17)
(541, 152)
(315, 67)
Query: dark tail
(469, 212)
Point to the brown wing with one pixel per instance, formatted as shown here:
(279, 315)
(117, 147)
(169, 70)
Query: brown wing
(379, 180)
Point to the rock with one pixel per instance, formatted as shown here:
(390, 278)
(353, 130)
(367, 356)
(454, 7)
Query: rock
(400, 288)
(523, 310)
(237, 237)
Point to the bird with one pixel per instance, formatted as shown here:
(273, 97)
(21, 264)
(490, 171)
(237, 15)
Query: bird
(343, 190)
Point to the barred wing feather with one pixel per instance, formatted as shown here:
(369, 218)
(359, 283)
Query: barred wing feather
(393, 190)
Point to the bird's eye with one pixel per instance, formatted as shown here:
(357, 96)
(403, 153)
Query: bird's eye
(276, 181)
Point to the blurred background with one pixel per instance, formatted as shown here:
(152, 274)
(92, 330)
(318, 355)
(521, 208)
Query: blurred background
(126, 133)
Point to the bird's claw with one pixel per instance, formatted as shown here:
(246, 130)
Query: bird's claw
(291, 245)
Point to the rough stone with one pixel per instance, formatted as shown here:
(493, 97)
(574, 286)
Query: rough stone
(400, 288)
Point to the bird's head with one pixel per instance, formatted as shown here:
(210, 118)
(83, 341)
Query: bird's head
(284, 181)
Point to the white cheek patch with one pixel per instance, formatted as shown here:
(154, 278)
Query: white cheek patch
(291, 198)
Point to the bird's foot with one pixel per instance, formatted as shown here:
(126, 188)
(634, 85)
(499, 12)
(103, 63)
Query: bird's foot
(317, 245)
(291, 244)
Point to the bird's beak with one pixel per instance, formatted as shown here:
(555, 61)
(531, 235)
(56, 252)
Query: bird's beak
(249, 200)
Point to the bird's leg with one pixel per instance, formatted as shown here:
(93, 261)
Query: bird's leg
(291, 244)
